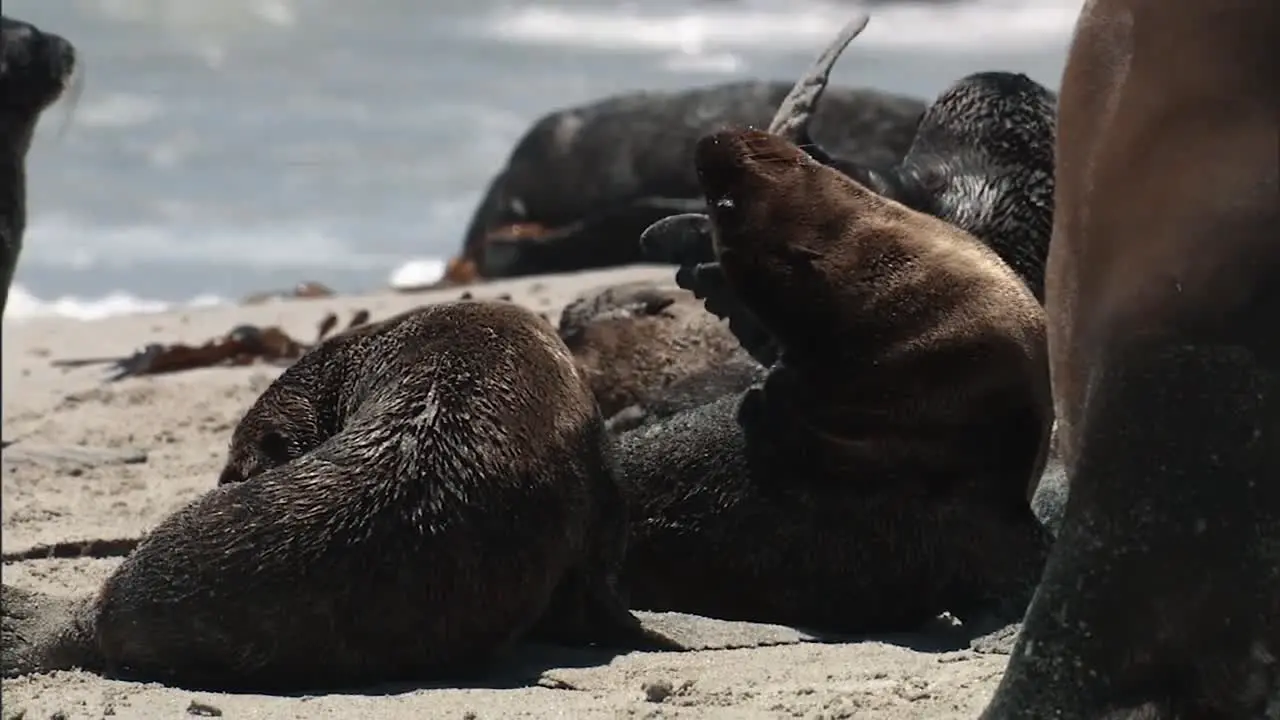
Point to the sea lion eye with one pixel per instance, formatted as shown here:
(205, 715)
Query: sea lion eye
(725, 203)
(933, 180)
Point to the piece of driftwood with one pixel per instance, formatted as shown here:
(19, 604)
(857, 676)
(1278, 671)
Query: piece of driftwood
(307, 289)
(68, 456)
(243, 345)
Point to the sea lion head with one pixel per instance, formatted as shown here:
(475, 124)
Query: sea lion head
(779, 222)
(36, 67)
(982, 160)
(292, 417)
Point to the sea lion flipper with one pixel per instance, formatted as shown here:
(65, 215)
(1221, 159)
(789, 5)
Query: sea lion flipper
(795, 112)
(683, 239)
(707, 281)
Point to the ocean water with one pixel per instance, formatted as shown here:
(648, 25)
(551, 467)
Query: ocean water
(222, 148)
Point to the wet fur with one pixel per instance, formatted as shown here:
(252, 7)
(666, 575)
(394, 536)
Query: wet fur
(622, 163)
(881, 473)
(1161, 599)
(982, 160)
(34, 72)
(403, 503)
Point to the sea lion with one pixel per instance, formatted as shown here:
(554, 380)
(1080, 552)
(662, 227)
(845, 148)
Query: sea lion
(1162, 595)
(730, 376)
(634, 339)
(404, 502)
(880, 474)
(584, 182)
(36, 67)
(981, 159)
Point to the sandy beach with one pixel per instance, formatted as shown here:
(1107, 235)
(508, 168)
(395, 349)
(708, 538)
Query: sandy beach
(107, 460)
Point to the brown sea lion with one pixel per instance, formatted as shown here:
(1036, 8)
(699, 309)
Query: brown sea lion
(731, 376)
(35, 70)
(403, 503)
(635, 339)
(981, 159)
(880, 474)
(1161, 599)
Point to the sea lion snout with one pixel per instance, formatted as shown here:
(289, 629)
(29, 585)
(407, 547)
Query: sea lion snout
(722, 155)
(34, 65)
(678, 239)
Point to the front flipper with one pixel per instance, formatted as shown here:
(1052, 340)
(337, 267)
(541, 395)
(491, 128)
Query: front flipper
(687, 241)
(707, 281)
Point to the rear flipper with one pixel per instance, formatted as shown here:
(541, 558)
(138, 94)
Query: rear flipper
(41, 633)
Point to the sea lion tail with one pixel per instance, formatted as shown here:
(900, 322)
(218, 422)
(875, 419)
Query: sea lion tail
(95, 548)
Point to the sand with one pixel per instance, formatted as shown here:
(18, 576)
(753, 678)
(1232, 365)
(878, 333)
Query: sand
(106, 460)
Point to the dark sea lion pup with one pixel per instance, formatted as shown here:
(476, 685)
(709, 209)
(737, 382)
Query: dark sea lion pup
(880, 473)
(1161, 599)
(35, 69)
(403, 503)
(982, 160)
